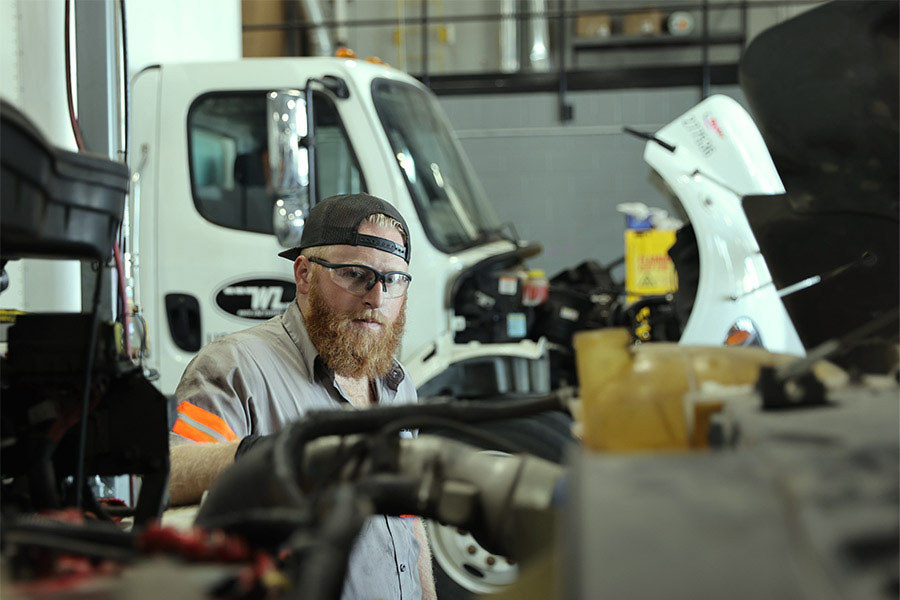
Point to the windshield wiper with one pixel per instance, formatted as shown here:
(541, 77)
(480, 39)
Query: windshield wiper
(512, 235)
(649, 137)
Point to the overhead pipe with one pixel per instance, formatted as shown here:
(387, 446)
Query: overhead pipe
(341, 34)
(509, 34)
(320, 37)
(539, 29)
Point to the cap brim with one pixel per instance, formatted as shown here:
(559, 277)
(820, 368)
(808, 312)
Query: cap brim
(290, 254)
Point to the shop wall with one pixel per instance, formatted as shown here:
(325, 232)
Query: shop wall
(560, 183)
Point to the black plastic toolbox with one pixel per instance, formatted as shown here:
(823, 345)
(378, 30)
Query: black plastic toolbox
(55, 203)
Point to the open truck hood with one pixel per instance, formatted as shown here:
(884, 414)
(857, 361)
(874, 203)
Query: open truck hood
(823, 88)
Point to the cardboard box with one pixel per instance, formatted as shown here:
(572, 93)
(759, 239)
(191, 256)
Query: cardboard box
(648, 22)
(593, 26)
(268, 42)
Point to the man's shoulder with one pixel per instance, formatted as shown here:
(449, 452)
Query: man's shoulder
(262, 338)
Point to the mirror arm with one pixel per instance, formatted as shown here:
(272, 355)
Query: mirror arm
(309, 141)
(336, 86)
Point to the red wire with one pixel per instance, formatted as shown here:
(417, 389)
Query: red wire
(79, 141)
(126, 317)
(72, 119)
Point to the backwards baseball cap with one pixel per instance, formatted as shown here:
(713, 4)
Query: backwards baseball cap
(336, 220)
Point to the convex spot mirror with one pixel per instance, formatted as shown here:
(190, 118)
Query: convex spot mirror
(288, 164)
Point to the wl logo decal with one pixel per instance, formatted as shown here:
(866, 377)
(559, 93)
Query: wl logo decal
(256, 298)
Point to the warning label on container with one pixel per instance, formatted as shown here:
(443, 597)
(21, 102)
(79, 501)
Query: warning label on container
(648, 269)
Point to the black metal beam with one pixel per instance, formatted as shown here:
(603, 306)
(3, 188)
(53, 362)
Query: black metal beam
(705, 82)
(487, 17)
(667, 41)
(624, 78)
(566, 111)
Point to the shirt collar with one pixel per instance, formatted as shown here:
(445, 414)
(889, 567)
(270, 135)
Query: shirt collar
(293, 323)
(292, 320)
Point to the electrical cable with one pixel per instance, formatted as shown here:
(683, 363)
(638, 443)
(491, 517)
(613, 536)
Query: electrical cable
(124, 315)
(86, 395)
(126, 318)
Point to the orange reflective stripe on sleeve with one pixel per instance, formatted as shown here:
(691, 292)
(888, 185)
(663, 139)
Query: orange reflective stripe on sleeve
(207, 419)
(192, 433)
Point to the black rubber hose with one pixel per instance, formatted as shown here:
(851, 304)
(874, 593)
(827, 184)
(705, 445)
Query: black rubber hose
(324, 566)
(287, 449)
(42, 483)
(98, 539)
(269, 474)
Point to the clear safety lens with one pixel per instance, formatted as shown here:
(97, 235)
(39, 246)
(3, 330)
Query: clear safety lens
(359, 279)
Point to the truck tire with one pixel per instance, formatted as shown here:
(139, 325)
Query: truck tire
(463, 570)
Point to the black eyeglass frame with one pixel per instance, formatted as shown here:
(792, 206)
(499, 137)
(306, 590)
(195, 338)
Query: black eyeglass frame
(379, 276)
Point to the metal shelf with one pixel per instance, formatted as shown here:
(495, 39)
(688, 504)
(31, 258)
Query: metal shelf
(654, 41)
(594, 79)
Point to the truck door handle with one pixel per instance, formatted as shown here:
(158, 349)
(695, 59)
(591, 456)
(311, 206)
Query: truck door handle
(183, 312)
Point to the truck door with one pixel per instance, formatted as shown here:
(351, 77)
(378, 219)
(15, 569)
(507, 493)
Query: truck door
(217, 268)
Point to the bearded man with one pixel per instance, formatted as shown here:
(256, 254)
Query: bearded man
(332, 348)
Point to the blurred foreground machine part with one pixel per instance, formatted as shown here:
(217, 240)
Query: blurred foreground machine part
(803, 505)
(830, 117)
(648, 396)
(74, 404)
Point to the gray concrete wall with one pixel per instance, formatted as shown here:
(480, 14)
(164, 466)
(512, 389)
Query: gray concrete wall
(560, 184)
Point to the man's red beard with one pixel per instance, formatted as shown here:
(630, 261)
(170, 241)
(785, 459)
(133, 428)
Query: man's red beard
(347, 349)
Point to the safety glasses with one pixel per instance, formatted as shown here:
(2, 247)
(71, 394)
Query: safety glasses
(359, 279)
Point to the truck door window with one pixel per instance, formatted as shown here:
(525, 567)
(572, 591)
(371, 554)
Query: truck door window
(227, 145)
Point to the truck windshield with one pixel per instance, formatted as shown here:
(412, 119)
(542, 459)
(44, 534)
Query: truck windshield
(450, 202)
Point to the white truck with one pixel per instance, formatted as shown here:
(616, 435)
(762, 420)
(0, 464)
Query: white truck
(206, 227)
(224, 167)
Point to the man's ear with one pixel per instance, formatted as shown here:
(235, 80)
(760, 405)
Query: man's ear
(302, 274)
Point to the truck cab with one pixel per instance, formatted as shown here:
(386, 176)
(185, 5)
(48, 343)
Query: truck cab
(207, 226)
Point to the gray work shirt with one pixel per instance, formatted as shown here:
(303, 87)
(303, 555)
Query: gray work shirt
(261, 379)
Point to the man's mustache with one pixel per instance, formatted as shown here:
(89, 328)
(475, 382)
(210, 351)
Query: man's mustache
(367, 315)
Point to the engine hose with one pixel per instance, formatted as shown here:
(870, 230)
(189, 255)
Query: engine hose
(269, 475)
(287, 449)
(322, 570)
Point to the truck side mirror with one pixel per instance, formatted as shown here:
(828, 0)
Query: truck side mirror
(288, 163)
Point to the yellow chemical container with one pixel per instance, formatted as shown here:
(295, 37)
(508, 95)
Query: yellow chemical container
(633, 397)
(648, 269)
